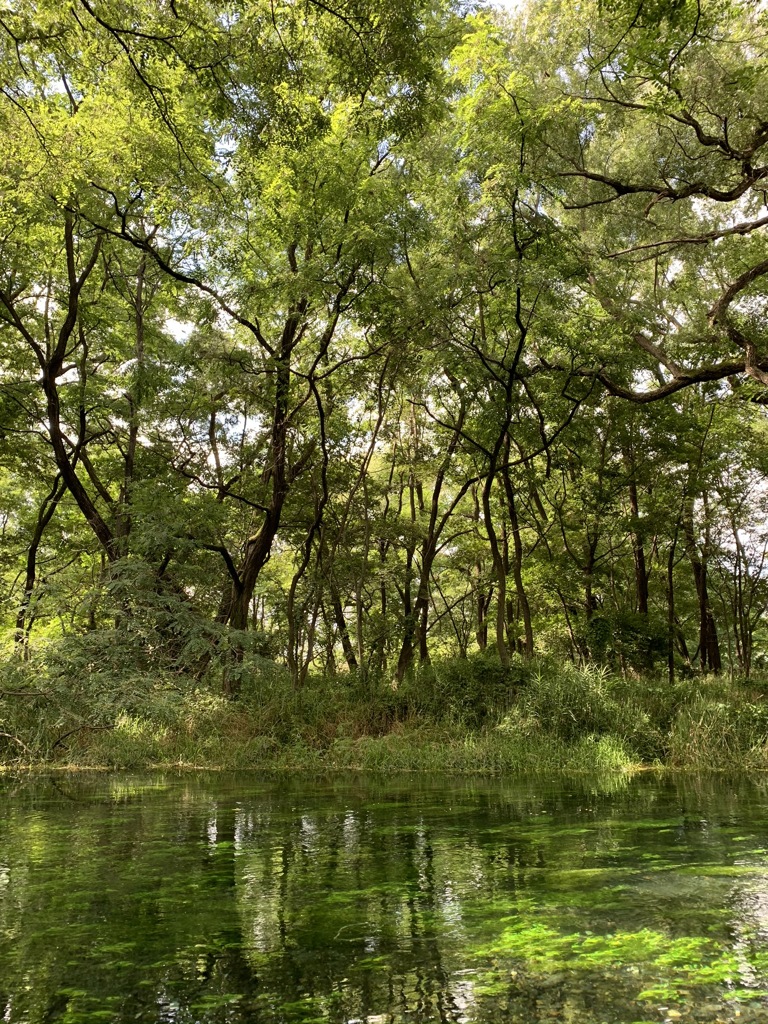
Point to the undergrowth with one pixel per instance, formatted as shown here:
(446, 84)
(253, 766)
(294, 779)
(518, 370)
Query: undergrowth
(457, 716)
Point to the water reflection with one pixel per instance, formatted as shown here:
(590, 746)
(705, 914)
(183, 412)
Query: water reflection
(202, 899)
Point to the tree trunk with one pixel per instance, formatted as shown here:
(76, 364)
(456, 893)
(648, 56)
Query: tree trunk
(44, 516)
(500, 573)
(709, 647)
(517, 561)
(588, 570)
(638, 544)
(405, 658)
(671, 609)
(341, 625)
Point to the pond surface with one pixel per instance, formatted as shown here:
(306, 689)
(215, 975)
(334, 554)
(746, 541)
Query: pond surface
(218, 899)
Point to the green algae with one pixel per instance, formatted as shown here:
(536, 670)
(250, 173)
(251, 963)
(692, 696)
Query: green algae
(215, 900)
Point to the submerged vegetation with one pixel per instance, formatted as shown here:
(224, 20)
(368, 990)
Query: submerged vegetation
(384, 384)
(226, 899)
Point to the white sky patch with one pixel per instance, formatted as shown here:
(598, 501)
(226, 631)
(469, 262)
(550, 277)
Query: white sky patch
(69, 376)
(714, 213)
(179, 330)
(225, 460)
(509, 5)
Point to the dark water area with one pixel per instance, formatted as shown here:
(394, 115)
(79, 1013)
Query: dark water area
(220, 899)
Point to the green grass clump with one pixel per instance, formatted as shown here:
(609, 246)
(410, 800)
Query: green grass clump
(711, 732)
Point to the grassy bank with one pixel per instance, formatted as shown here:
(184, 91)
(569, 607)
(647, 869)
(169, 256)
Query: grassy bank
(460, 716)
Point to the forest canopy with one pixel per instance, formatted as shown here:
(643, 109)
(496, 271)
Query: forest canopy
(352, 335)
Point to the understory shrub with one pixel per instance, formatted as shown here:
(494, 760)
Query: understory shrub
(78, 702)
(570, 702)
(709, 733)
(625, 639)
(468, 690)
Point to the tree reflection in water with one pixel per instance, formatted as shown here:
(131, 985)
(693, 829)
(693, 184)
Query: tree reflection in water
(214, 900)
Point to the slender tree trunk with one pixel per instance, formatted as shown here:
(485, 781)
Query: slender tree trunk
(435, 528)
(482, 604)
(500, 573)
(482, 597)
(709, 648)
(588, 570)
(422, 628)
(517, 561)
(405, 658)
(68, 474)
(258, 548)
(44, 516)
(572, 636)
(123, 520)
(341, 625)
(329, 623)
(296, 611)
(379, 654)
(742, 610)
(671, 608)
(638, 541)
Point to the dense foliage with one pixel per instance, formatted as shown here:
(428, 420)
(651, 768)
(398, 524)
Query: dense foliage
(353, 336)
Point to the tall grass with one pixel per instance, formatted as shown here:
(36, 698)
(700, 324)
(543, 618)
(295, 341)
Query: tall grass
(457, 716)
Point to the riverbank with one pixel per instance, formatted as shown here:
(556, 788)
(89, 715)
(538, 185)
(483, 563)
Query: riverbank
(458, 717)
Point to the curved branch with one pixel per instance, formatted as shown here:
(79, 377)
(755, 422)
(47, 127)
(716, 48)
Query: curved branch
(702, 376)
(221, 550)
(21, 743)
(730, 293)
(143, 245)
(710, 236)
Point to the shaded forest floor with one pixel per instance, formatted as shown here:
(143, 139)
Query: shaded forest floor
(456, 716)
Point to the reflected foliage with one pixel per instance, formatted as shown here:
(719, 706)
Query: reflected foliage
(211, 900)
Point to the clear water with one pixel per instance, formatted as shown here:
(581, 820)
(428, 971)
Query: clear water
(220, 899)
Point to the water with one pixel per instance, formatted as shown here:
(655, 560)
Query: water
(212, 899)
